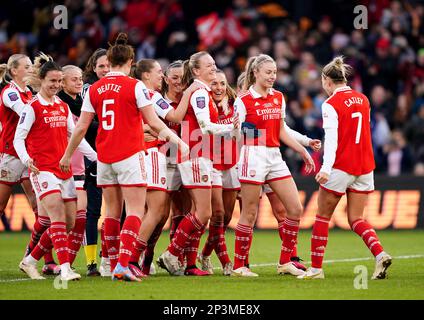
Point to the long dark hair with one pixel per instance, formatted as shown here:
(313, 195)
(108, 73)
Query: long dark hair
(89, 76)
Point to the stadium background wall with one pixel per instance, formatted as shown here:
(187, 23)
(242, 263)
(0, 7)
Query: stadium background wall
(397, 203)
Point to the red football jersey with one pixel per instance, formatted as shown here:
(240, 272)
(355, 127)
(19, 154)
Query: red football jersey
(349, 112)
(162, 107)
(153, 143)
(200, 145)
(12, 101)
(265, 113)
(117, 99)
(225, 148)
(176, 127)
(47, 139)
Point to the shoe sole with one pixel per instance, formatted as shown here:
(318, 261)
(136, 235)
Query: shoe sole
(242, 276)
(41, 277)
(382, 274)
(311, 278)
(122, 277)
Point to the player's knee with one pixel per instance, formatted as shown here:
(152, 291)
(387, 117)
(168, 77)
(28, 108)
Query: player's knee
(295, 212)
(250, 215)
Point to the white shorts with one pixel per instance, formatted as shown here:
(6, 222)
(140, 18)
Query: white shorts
(196, 173)
(46, 183)
(341, 182)
(226, 179)
(12, 170)
(174, 177)
(79, 184)
(156, 170)
(260, 164)
(130, 172)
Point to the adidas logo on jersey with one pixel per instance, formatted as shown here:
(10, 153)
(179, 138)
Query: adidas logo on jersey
(257, 104)
(45, 111)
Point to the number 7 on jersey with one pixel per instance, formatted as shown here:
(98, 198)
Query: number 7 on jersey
(359, 128)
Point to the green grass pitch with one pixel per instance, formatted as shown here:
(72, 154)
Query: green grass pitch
(345, 251)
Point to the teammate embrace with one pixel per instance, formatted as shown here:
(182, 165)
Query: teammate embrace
(182, 140)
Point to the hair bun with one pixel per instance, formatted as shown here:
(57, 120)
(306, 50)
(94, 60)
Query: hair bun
(339, 61)
(43, 58)
(121, 39)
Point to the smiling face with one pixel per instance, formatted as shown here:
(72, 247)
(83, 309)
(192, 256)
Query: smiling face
(156, 75)
(72, 81)
(51, 83)
(207, 69)
(173, 80)
(266, 74)
(102, 67)
(219, 87)
(22, 70)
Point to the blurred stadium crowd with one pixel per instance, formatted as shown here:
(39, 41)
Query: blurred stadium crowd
(302, 36)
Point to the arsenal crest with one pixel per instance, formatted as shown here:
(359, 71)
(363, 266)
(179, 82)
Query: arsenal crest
(276, 101)
(3, 173)
(205, 178)
(163, 180)
(45, 184)
(252, 173)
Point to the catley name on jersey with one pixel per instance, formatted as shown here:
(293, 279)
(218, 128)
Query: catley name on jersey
(349, 102)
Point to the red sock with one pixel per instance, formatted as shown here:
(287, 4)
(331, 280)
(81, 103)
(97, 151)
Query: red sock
(175, 222)
(189, 225)
(290, 231)
(139, 247)
(150, 250)
(221, 247)
(40, 225)
(319, 241)
(368, 234)
(59, 238)
(213, 239)
(243, 235)
(111, 232)
(76, 235)
(280, 232)
(193, 247)
(129, 233)
(43, 246)
(246, 262)
(103, 241)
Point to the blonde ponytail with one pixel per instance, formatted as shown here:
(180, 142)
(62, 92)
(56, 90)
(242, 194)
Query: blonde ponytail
(337, 70)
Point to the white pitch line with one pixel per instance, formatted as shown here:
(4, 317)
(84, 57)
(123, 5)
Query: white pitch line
(15, 280)
(415, 256)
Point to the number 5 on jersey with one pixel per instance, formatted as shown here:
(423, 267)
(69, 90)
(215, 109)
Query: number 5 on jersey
(108, 116)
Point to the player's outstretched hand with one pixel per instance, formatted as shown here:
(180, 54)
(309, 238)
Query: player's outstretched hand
(322, 177)
(32, 167)
(194, 86)
(184, 149)
(309, 162)
(65, 164)
(315, 144)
